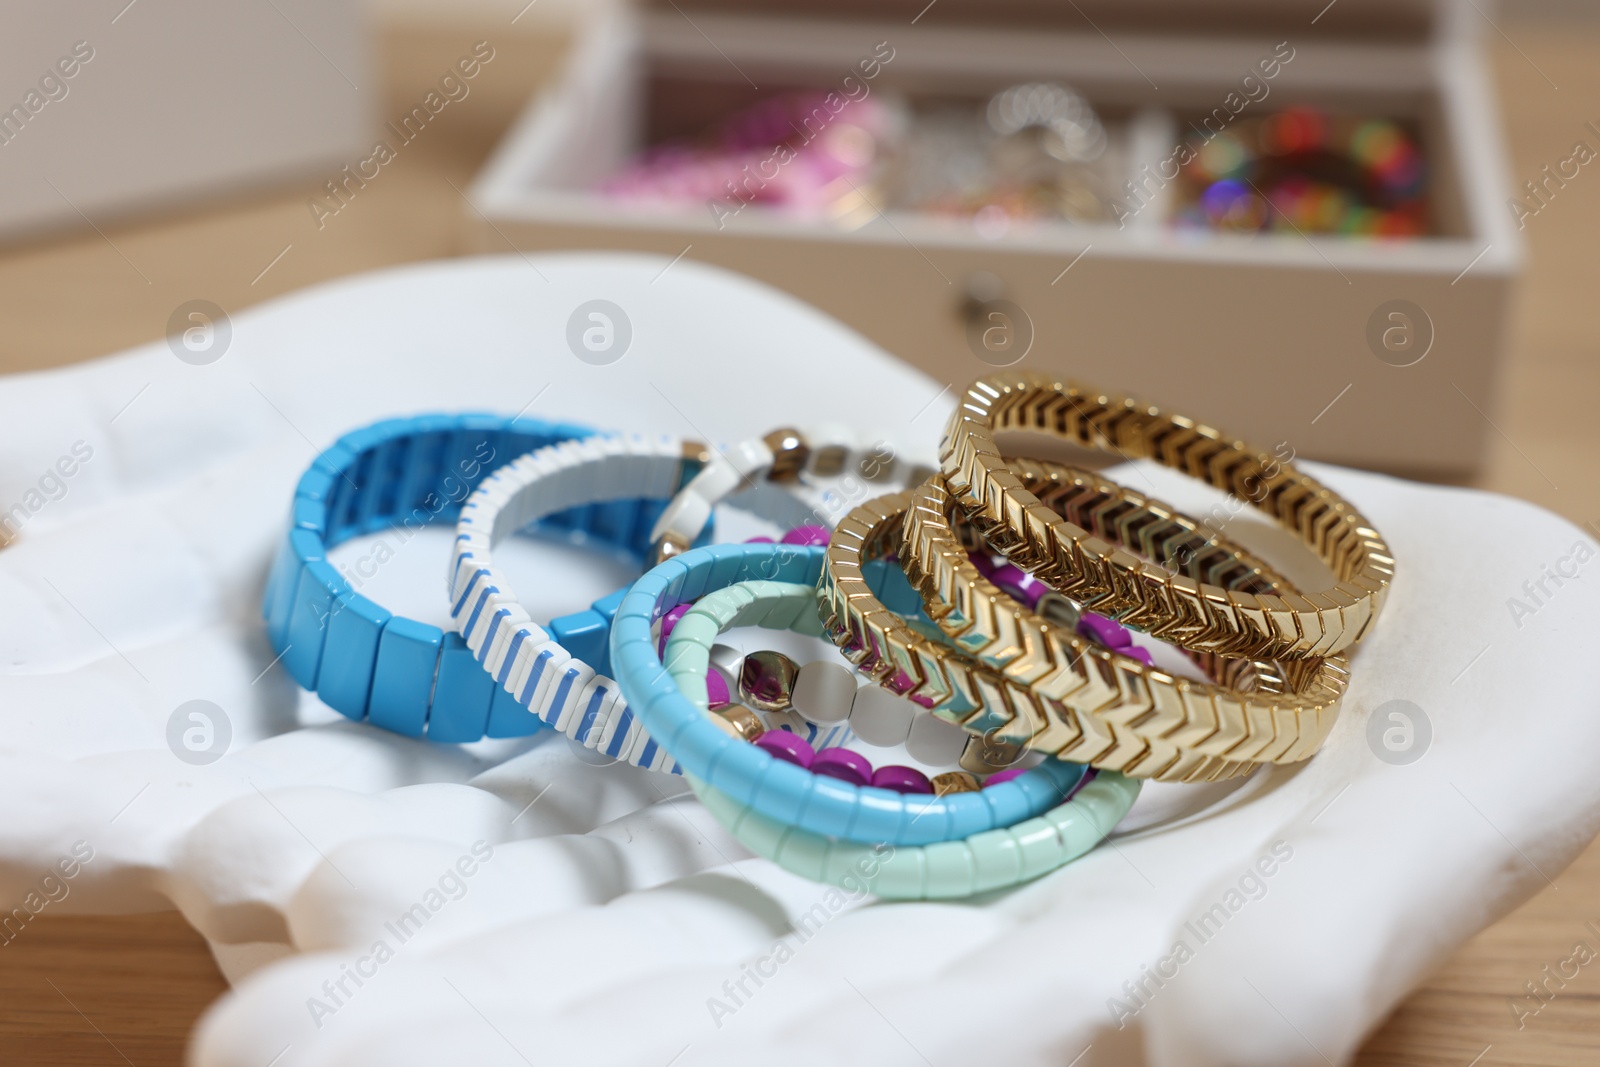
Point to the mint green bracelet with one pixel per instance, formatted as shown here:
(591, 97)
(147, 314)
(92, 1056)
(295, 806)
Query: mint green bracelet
(993, 859)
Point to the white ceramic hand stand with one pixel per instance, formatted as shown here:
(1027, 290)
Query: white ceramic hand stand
(389, 902)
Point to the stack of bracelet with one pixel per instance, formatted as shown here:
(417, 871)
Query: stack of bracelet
(945, 844)
(990, 607)
(988, 860)
(1010, 620)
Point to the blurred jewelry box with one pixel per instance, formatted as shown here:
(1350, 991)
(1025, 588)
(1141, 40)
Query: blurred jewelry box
(120, 107)
(1190, 244)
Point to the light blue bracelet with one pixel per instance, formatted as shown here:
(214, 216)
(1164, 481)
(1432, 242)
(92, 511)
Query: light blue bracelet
(402, 474)
(750, 775)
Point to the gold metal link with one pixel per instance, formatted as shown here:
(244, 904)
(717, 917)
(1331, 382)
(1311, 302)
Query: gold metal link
(954, 782)
(789, 454)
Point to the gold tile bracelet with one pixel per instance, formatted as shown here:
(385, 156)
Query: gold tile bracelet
(1201, 616)
(1104, 717)
(1281, 713)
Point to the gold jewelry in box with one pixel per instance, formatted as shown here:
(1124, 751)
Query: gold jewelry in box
(1192, 614)
(1108, 700)
(1281, 715)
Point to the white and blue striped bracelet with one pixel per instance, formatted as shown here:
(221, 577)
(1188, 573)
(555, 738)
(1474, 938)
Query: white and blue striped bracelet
(535, 664)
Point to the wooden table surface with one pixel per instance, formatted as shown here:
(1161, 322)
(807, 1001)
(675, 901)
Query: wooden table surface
(113, 990)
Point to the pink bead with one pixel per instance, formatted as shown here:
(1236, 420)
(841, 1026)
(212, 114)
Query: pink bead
(1101, 629)
(716, 690)
(844, 765)
(1140, 654)
(668, 621)
(901, 779)
(1004, 776)
(759, 541)
(1019, 583)
(792, 748)
(806, 535)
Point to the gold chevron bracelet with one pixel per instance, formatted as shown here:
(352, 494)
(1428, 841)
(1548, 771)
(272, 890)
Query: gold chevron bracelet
(1197, 615)
(1282, 715)
(961, 689)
